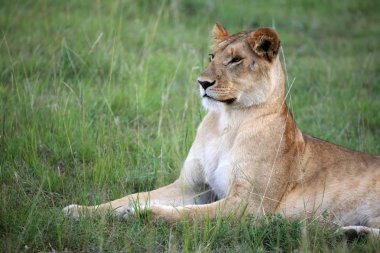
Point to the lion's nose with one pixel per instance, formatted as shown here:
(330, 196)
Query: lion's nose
(205, 84)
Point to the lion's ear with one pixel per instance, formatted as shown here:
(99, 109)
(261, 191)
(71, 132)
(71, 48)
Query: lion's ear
(265, 43)
(219, 32)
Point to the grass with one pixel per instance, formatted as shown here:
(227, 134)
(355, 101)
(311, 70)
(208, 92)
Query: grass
(98, 99)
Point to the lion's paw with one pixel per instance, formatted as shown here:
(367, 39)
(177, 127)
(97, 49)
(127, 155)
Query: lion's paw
(354, 232)
(125, 212)
(71, 211)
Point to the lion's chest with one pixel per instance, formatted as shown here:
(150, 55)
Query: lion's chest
(216, 162)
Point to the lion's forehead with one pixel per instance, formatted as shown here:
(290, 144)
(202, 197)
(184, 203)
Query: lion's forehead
(220, 46)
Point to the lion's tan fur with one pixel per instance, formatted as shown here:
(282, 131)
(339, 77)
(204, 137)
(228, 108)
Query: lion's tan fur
(249, 156)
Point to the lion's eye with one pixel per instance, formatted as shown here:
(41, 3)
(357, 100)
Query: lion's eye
(210, 57)
(235, 59)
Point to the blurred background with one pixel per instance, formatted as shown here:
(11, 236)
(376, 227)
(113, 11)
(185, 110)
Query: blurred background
(99, 98)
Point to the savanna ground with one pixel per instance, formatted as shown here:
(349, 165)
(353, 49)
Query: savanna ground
(99, 99)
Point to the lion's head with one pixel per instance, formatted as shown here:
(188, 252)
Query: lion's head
(244, 69)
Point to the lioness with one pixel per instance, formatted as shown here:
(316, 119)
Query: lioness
(249, 156)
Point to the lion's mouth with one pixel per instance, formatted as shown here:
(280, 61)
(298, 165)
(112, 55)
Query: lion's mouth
(226, 101)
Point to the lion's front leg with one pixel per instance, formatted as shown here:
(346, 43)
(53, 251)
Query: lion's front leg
(220, 208)
(175, 194)
(241, 199)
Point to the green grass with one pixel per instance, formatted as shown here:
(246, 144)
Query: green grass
(99, 99)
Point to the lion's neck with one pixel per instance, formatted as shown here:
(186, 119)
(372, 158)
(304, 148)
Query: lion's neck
(263, 113)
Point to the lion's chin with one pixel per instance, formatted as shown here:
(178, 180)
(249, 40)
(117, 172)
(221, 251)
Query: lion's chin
(227, 101)
(212, 104)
